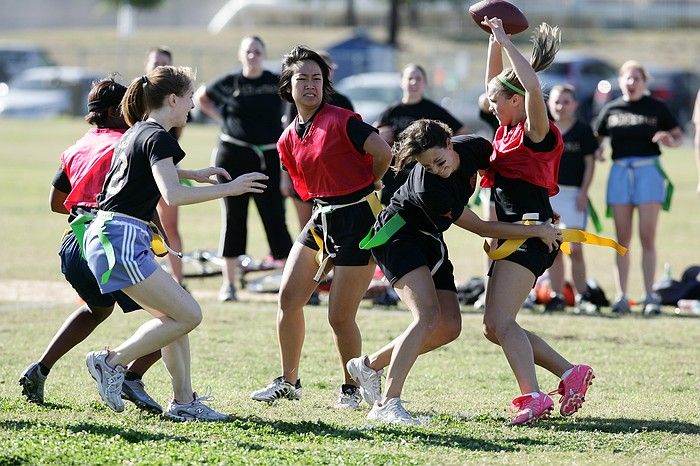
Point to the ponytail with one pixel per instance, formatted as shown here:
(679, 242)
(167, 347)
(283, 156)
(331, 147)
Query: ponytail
(148, 92)
(546, 41)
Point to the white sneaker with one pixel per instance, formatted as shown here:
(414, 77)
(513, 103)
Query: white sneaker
(349, 397)
(369, 380)
(392, 412)
(279, 388)
(195, 410)
(108, 379)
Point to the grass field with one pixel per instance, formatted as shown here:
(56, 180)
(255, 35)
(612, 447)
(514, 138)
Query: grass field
(642, 408)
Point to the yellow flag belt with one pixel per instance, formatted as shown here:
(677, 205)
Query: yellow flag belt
(570, 235)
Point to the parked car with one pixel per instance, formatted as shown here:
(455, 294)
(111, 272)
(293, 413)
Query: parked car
(582, 71)
(371, 93)
(48, 91)
(15, 58)
(676, 87)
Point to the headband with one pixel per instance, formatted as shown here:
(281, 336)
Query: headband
(510, 86)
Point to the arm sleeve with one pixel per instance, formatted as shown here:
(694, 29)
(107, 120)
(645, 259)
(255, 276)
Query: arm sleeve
(358, 132)
(61, 182)
(163, 146)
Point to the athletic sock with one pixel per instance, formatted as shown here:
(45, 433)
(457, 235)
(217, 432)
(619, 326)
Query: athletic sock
(44, 370)
(566, 374)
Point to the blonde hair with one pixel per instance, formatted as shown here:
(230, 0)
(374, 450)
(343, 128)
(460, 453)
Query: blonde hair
(632, 65)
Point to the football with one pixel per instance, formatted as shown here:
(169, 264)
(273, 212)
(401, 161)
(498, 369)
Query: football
(514, 21)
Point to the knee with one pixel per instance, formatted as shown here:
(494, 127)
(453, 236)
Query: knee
(648, 242)
(494, 329)
(340, 320)
(98, 314)
(449, 330)
(192, 318)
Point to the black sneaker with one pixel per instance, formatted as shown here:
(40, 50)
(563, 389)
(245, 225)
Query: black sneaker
(556, 304)
(32, 382)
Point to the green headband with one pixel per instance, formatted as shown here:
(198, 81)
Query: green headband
(510, 86)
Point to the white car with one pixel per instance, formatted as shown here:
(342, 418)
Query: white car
(48, 91)
(371, 93)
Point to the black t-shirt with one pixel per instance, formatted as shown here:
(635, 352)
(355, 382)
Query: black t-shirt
(431, 203)
(130, 187)
(631, 125)
(515, 197)
(400, 115)
(251, 108)
(337, 99)
(579, 142)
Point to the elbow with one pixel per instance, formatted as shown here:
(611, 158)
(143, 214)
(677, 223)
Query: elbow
(173, 198)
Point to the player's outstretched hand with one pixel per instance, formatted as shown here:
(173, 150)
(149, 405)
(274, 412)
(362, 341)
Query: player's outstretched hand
(248, 183)
(550, 235)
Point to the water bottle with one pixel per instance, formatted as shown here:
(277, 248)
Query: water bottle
(688, 307)
(667, 278)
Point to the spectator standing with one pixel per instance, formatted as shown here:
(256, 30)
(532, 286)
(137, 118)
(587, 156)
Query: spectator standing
(636, 124)
(247, 106)
(571, 202)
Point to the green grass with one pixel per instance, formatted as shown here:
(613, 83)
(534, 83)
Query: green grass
(642, 408)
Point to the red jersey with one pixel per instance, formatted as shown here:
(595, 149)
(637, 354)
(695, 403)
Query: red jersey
(86, 164)
(511, 158)
(325, 163)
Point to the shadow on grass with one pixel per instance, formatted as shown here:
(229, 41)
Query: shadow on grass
(383, 432)
(625, 426)
(128, 435)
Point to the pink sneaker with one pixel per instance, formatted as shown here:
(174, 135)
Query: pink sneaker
(527, 409)
(573, 389)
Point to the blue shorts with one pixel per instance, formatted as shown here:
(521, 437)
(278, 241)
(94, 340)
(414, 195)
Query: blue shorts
(131, 240)
(635, 180)
(78, 274)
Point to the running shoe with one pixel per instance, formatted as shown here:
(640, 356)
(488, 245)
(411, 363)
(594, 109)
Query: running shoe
(392, 412)
(584, 305)
(108, 379)
(527, 409)
(195, 410)
(32, 382)
(369, 380)
(621, 305)
(278, 389)
(227, 293)
(556, 304)
(573, 389)
(652, 305)
(349, 397)
(135, 391)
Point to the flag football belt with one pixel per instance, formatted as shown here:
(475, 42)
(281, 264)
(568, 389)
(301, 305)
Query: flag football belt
(569, 235)
(389, 229)
(324, 210)
(631, 165)
(259, 149)
(80, 224)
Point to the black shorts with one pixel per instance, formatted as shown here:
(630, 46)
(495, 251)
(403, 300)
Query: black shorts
(346, 228)
(76, 270)
(533, 254)
(407, 251)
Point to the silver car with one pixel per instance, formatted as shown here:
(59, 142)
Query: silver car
(48, 91)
